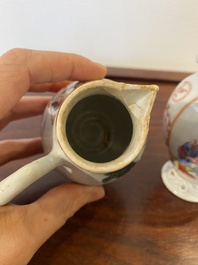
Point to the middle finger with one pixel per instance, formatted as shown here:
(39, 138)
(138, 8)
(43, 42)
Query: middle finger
(28, 106)
(20, 148)
(49, 87)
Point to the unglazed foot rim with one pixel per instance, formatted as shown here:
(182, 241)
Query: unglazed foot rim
(178, 185)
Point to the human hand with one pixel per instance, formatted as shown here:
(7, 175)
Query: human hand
(24, 228)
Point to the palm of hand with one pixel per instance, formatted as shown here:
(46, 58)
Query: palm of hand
(25, 228)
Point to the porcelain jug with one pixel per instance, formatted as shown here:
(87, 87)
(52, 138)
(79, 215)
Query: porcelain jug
(92, 132)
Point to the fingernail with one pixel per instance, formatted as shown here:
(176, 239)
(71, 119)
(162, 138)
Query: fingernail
(101, 66)
(97, 193)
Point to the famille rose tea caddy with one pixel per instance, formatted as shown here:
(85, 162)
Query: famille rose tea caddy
(92, 133)
(180, 124)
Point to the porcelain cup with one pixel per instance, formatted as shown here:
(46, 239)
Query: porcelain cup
(92, 133)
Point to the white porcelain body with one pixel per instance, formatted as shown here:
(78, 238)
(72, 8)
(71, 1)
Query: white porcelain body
(137, 100)
(180, 125)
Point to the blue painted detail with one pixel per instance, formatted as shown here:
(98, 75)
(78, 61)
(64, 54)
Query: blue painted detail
(118, 173)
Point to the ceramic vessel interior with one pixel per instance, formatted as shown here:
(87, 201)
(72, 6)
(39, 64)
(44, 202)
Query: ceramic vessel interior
(99, 128)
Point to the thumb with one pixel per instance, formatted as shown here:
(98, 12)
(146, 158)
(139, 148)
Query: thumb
(52, 210)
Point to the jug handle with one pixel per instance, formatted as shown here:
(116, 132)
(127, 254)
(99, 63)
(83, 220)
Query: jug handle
(15, 183)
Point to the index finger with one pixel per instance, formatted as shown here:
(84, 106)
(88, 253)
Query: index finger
(21, 68)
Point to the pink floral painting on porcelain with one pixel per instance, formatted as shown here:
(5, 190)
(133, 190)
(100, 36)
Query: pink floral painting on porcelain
(180, 126)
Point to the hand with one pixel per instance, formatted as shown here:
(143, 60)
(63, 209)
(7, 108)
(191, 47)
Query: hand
(23, 229)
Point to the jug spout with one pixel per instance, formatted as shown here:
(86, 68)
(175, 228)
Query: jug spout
(139, 99)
